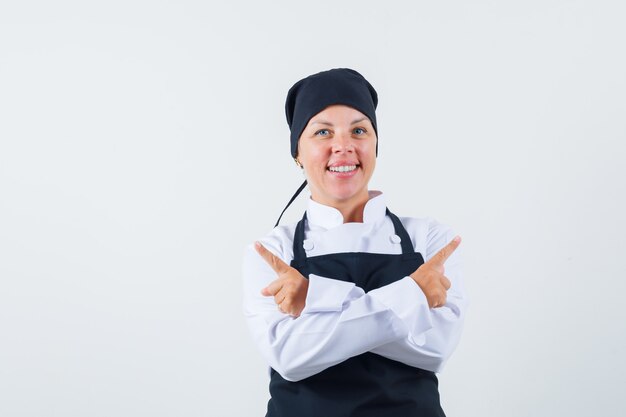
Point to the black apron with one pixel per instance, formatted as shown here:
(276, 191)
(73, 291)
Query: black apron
(367, 384)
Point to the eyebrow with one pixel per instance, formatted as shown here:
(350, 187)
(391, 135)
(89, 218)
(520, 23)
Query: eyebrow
(321, 122)
(324, 122)
(359, 120)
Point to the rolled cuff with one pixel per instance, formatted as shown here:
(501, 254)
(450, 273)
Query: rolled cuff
(327, 294)
(406, 299)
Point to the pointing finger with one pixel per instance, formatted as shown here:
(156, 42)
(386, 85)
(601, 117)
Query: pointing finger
(274, 261)
(444, 253)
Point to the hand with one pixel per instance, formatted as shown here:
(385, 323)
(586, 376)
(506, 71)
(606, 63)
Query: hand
(429, 276)
(290, 289)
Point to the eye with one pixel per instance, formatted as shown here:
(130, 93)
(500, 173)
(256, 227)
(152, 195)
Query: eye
(322, 132)
(359, 130)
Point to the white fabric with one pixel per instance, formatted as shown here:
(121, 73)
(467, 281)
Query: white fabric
(340, 320)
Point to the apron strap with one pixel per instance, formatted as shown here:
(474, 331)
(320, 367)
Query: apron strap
(405, 240)
(298, 191)
(298, 239)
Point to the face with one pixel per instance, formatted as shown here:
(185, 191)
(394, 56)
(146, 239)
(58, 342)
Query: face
(337, 150)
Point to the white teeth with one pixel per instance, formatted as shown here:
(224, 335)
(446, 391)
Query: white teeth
(346, 168)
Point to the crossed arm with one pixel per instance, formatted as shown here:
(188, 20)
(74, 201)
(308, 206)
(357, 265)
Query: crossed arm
(290, 288)
(305, 326)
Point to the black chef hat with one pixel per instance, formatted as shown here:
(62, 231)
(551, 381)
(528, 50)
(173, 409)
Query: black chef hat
(314, 93)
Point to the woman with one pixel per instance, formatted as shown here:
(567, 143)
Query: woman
(350, 306)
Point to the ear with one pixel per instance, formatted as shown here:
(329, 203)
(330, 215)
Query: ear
(298, 163)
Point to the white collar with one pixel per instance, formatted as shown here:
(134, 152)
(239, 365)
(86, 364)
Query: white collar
(328, 217)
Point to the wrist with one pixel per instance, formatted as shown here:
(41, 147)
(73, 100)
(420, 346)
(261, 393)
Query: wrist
(416, 278)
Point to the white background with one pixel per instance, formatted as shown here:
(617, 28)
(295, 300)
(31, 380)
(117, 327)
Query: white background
(144, 144)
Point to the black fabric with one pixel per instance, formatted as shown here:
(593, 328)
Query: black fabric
(293, 197)
(314, 93)
(368, 384)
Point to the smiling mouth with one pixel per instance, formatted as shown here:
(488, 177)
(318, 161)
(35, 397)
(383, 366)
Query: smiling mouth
(343, 168)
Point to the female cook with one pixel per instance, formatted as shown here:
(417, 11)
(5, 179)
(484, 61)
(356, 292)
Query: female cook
(350, 306)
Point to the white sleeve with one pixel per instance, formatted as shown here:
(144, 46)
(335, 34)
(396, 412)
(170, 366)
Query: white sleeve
(339, 321)
(431, 349)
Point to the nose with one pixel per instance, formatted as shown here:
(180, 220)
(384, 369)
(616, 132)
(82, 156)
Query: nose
(343, 143)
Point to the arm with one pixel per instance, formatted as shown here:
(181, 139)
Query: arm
(431, 349)
(338, 322)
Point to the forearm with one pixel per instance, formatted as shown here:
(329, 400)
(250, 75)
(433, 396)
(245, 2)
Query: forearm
(431, 349)
(339, 321)
(300, 347)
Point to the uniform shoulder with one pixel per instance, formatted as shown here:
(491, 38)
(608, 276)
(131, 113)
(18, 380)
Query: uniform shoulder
(428, 234)
(424, 223)
(279, 241)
